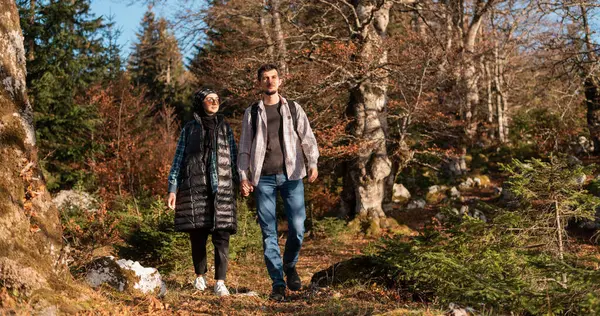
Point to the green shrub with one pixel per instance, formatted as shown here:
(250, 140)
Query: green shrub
(482, 266)
(151, 239)
(85, 231)
(248, 239)
(513, 263)
(328, 227)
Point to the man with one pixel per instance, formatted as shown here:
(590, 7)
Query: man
(275, 135)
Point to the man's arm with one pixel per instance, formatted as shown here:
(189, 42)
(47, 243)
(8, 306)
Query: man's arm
(174, 173)
(307, 138)
(243, 161)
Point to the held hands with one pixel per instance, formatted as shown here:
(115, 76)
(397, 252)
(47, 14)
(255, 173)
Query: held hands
(171, 200)
(313, 173)
(246, 187)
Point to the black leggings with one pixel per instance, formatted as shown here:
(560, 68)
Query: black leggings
(220, 240)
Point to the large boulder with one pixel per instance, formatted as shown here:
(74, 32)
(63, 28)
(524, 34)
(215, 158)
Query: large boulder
(124, 275)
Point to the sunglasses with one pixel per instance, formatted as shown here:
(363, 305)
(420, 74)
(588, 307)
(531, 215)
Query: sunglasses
(212, 100)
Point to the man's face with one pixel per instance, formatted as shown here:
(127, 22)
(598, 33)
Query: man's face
(211, 104)
(270, 82)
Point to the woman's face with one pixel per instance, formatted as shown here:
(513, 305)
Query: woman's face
(211, 104)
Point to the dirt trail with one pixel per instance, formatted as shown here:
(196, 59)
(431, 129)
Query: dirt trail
(249, 275)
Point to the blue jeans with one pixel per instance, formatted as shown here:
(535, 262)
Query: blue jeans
(292, 193)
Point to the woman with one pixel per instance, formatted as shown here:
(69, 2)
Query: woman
(202, 186)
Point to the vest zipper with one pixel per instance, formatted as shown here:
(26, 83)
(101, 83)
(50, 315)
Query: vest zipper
(216, 155)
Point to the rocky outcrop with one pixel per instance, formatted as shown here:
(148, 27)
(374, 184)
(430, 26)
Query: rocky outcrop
(30, 230)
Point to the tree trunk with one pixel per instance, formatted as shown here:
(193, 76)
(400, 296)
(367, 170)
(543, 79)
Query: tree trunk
(279, 38)
(592, 101)
(500, 102)
(591, 86)
(32, 11)
(367, 105)
(30, 230)
(267, 36)
(485, 64)
(470, 76)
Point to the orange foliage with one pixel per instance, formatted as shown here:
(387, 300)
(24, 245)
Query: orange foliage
(137, 146)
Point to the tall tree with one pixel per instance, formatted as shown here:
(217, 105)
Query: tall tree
(156, 64)
(67, 56)
(30, 231)
(111, 36)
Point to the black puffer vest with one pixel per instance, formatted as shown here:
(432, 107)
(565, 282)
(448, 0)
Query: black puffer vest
(194, 210)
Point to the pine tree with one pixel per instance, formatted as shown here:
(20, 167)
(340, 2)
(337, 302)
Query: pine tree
(111, 35)
(66, 56)
(156, 64)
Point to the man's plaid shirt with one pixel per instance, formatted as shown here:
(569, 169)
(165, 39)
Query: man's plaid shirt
(296, 145)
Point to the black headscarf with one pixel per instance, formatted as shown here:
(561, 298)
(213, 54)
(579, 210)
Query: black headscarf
(209, 122)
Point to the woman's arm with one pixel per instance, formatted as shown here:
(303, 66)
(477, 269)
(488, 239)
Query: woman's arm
(233, 154)
(176, 165)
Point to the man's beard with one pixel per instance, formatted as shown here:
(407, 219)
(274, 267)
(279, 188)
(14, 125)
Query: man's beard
(268, 92)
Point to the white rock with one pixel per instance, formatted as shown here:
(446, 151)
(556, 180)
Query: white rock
(75, 199)
(463, 164)
(479, 214)
(455, 310)
(149, 277)
(583, 145)
(463, 210)
(416, 204)
(107, 270)
(434, 189)
(456, 166)
(454, 192)
(467, 184)
(400, 193)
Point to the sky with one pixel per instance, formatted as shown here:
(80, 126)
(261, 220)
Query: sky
(127, 17)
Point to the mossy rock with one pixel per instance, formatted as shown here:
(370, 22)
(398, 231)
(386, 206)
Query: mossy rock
(358, 270)
(373, 229)
(398, 229)
(355, 225)
(485, 180)
(435, 197)
(401, 200)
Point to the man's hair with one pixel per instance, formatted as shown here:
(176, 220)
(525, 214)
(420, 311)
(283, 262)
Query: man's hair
(266, 67)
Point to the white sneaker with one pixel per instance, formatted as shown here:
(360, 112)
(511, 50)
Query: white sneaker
(200, 283)
(221, 289)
